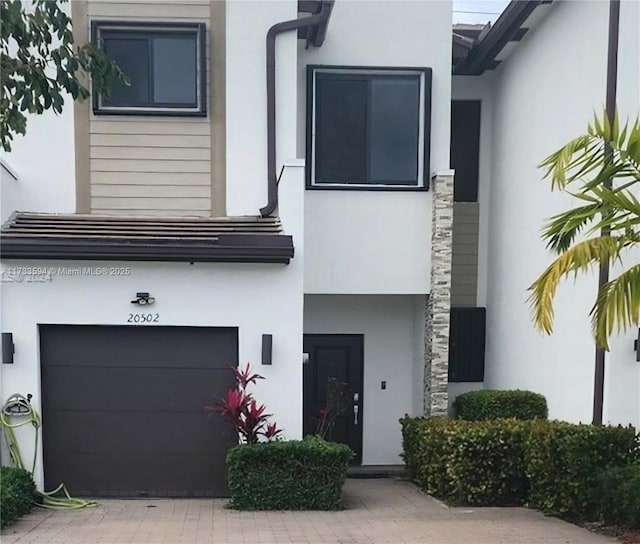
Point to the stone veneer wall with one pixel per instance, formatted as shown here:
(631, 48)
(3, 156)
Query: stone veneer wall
(438, 304)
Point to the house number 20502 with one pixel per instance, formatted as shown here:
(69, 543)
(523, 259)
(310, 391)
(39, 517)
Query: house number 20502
(143, 318)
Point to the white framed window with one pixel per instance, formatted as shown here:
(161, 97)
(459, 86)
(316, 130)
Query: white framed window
(368, 128)
(165, 64)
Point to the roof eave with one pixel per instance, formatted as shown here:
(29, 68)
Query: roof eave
(508, 27)
(262, 248)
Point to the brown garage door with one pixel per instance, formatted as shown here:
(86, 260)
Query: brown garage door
(123, 409)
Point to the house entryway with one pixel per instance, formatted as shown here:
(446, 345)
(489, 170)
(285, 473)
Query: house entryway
(333, 388)
(123, 409)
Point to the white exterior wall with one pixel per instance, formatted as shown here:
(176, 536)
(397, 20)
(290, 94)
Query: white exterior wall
(622, 370)
(378, 242)
(247, 23)
(390, 343)
(258, 299)
(545, 93)
(44, 160)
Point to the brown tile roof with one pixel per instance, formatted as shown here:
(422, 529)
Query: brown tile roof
(98, 237)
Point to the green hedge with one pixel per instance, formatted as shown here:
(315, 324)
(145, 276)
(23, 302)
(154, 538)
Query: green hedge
(17, 492)
(489, 404)
(467, 462)
(563, 461)
(618, 496)
(549, 465)
(288, 475)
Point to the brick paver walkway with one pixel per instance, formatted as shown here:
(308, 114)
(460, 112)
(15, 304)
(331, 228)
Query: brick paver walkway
(378, 511)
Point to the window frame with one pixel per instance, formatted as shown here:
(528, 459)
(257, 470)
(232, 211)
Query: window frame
(424, 126)
(146, 28)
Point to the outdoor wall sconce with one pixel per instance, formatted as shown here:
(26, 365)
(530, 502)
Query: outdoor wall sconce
(636, 346)
(143, 299)
(8, 349)
(267, 348)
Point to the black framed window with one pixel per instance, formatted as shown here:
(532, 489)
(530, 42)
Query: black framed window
(368, 127)
(165, 64)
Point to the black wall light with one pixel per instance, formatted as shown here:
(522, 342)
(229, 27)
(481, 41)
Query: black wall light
(143, 299)
(8, 348)
(267, 349)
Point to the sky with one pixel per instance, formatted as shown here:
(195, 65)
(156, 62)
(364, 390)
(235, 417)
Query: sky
(477, 11)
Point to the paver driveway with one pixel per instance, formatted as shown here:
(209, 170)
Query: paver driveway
(378, 511)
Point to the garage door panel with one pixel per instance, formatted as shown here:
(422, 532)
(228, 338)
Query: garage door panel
(123, 409)
(128, 389)
(140, 475)
(143, 346)
(136, 432)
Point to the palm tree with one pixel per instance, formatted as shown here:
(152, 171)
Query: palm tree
(602, 169)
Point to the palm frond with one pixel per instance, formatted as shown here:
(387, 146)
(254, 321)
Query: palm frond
(617, 306)
(584, 156)
(579, 258)
(606, 163)
(620, 210)
(574, 154)
(562, 229)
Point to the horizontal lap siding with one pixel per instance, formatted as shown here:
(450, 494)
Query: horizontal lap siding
(464, 260)
(155, 203)
(153, 213)
(150, 178)
(151, 165)
(145, 10)
(163, 127)
(150, 191)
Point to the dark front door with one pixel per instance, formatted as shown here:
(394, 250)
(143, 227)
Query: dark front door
(123, 409)
(332, 388)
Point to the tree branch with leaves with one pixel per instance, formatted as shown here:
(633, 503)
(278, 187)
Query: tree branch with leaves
(39, 64)
(602, 169)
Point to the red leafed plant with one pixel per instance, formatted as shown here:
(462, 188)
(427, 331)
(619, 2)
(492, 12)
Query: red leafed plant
(238, 407)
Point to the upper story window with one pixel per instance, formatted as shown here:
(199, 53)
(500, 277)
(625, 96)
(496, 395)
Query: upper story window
(164, 62)
(368, 128)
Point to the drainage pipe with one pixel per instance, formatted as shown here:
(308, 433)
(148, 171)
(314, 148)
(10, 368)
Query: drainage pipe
(316, 20)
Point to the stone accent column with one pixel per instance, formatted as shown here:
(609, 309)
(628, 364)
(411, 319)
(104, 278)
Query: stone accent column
(438, 304)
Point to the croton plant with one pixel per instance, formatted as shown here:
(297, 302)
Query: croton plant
(242, 411)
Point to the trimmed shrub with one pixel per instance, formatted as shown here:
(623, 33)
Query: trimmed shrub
(564, 460)
(618, 496)
(17, 492)
(549, 465)
(463, 462)
(288, 475)
(425, 452)
(489, 404)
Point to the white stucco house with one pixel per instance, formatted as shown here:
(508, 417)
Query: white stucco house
(325, 190)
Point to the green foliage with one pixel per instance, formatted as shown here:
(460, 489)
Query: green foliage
(488, 404)
(39, 64)
(549, 465)
(602, 170)
(563, 461)
(464, 462)
(618, 496)
(17, 492)
(288, 475)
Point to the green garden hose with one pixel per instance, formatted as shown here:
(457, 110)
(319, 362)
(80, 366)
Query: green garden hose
(29, 415)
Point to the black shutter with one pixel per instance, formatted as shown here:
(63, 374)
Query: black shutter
(466, 344)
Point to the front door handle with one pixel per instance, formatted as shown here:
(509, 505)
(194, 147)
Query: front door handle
(355, 414)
